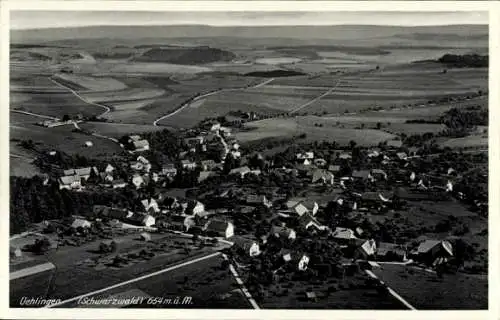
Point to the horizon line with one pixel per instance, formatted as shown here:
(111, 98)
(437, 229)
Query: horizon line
(252, 26)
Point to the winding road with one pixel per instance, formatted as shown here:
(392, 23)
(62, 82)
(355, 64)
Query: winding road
(211, 93)
(76, 94)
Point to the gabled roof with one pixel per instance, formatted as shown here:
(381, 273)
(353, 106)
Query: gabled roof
(364, 174)
(343, 233)
(254, 198)
(243, 242)
(141, 144)
(428, 245)
(217, 225)
(66, 180)
(319, 174)
(384, 247)
(244, 169)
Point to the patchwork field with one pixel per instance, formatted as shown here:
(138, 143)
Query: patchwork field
(60, 138)
(118, 129)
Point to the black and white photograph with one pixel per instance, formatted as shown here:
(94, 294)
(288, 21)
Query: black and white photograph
(271, 160)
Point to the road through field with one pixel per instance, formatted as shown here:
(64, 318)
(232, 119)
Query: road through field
(208, 94)
(121, 284)
(33, 114)
(76, 94)
(315, 99)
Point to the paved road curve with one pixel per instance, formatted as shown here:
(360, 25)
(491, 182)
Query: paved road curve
(187, 104)
(76, 94)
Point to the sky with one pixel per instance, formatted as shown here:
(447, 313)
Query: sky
(54, 19)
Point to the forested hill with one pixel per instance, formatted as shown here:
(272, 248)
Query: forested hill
(194, 55)
(465, 61)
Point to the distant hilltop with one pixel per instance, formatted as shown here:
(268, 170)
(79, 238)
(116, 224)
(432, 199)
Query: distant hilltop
(340, 32)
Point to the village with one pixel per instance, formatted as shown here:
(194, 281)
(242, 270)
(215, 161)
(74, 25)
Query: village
(308, 213)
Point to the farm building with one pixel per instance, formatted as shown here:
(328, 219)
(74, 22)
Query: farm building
(188, 165)
(402, 155)
(81, 223)
(150, 205)
(141, 220)
(248, 246)
(283, 232)
(194, 207)
(208, 165)
(138, 181)
(391, 252)
(257, 200)
(296, 207)
(241, 171)
(70, 182)
(311, 205)
(168, 170)
(118, 184)
(433, 252)
(344, 235)
(181, 223)
(306, 155)
(365, 249)
(88, 144)
(219, 228)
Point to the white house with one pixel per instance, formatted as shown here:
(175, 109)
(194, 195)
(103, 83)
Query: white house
(81, 223)
(150, 204)
(249, 246)
(70, 182)
(283, 232)
(219, 228)
(195, 208)
(138, 181)
(88, 144)
(296, 207)
(189, 165)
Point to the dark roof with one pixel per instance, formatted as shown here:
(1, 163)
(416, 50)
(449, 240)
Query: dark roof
(361, 174)
(217, 225)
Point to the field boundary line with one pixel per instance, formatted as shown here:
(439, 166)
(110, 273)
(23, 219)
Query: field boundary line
(243, 288)
(392, 292)
(33, 114)
(315, 99)
(180, 265)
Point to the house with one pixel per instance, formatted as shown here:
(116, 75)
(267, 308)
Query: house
(307, 221)
(378, 174)
(118, 184)
(361, 175)
(219, 228)
(106, 177)
(137, 166)
(117, 213)
(140, 145)
(208, 165)
(150, 205)
(401, 155)
(212, 126)
(374, 153)
(195, 208)
(168, 170)
(138, 181)
(205, 175)
(88, 144)
(236, 154)
(391, 252)
(311, 295)
(109, 169)
(256, 200)
(145, 220)
(145, 236)
(81, 223)
(434, 252)
(412, 151)
(305, 162)
(283, 232)
(396, 144)
(181, 223)
(333, 168)
(344, 235)
(311, 205)
(241, 171)
(248, 246)
(194, 141)
(365, 249)
(371, 197)
(345, 156)
(319, 162)
(306, 155)
(225, 131)
(235, 146)
(296, 207)
(187, 164)
(15, 252)
(70, 182)
(298, 259)
(322, 176)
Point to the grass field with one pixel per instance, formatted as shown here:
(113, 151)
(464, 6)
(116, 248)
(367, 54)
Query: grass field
(92, 83)
(132, 94)
(118, 129)
(480, 141)
(206, 284)
(426, 291)
(283, 127)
